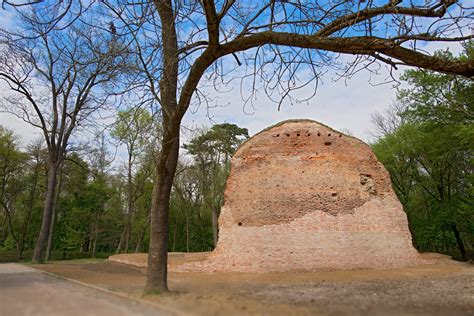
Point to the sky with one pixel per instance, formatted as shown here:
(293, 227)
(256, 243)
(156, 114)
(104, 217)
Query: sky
(345, 105)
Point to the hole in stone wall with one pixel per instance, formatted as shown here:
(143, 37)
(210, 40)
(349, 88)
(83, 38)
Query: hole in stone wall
(298, 134)
(287, 135)
(240, 224)
(277, 135)
(327, 143)
(334, 194)
(340, 135)
(329, 134)
(368, 183)
(319, 134)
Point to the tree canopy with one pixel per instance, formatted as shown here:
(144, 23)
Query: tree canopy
(429, 157)
(181, 48)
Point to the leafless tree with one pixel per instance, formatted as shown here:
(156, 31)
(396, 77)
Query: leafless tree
(133, 130)
(387, 122)
(280, 46)
(57, 74)
(276, 46)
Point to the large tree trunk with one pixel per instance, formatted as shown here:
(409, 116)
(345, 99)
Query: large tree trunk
(49, 243)
(459, 241)
(38, 255)
(55, 215)
(157, 272)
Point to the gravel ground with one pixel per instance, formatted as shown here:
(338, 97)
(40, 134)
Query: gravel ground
(452, 295)
(437, 289)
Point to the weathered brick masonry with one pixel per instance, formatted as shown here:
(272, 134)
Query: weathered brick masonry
(302, 196)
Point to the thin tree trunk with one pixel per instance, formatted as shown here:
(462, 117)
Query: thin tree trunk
(203, 235)
(4, 231)
(445, 242)
(129, 198)
(122, 237)
(459, 241)
(173, 248)
(40, 247)
(31, 200)
(140, 240)
(127, 239)
(96, 233)
(10, 225)
(187, 230)
(142, 234)
(85, 243)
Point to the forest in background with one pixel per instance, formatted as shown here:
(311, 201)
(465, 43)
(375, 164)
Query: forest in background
(426, 141)
(102, 206)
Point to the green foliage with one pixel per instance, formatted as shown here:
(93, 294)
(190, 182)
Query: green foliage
(11, 256)
(430, 159)
(217, 144)
(9, 244)
(12, 165)
(92, 213)
(198, 191)
(132, 128)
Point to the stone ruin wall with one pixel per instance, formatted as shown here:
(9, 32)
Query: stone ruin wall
(301, 196)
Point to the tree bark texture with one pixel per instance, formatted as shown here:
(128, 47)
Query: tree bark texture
(174, 108)
(157, 272)
(40, 247)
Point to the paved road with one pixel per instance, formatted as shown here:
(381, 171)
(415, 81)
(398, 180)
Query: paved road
(27, 291)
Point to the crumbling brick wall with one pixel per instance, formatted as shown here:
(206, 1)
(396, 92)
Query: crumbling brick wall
(301, 196)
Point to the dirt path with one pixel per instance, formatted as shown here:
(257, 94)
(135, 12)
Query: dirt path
(27, 291)
(441, 289)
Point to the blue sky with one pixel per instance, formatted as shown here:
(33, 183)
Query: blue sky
(343, 104)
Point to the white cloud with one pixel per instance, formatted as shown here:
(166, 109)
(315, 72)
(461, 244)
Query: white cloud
(22, 129)
(341, 105)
